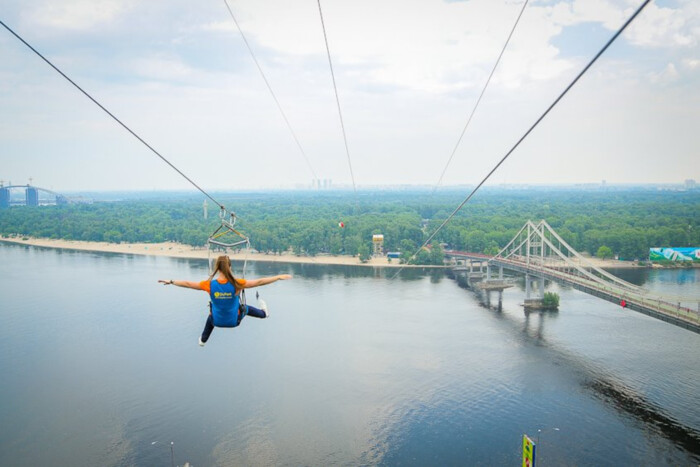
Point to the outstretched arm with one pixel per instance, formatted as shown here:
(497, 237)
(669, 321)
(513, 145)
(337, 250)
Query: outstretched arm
(250, 283)
(186, 284)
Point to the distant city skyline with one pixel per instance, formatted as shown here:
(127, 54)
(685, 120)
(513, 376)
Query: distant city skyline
(685, 185)
(408, 74)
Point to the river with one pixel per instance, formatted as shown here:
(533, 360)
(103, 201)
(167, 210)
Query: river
(100, 366)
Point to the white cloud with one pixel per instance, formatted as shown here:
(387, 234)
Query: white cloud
(408, 73)
(432, 47)
(668, 75)
(219, 26)
(691, 63)
(161, 68)
(77, 15)
(606, 12)
(450, 46)
(666, 27)
(655, 26)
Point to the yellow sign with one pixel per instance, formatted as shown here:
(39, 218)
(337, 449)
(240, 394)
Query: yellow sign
(528, 452)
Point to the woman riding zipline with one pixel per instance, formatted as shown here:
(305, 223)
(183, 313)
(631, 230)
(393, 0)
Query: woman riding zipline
(225, 292)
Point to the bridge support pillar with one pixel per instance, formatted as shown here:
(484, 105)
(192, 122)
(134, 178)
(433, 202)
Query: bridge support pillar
(527, 286)
(500, 272)
(488, 301)
(541, 281)
(536, 302)
(488, 272)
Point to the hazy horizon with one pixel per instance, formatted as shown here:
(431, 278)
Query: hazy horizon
(408, 75)
(396, 187)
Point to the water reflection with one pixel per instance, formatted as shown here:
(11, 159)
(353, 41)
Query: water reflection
(594, 379)
(675, 278)
(320, 271)
(352, 368)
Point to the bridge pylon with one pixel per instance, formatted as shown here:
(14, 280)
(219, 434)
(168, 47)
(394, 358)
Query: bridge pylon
(538, 251)
(539, 246)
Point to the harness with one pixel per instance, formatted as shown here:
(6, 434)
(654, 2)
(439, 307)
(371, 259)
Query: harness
(218, 240)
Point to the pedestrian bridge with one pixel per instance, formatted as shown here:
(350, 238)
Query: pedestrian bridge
(538, 251)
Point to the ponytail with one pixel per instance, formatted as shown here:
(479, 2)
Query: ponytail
(223, 265)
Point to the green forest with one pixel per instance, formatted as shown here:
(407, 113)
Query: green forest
(623, 223)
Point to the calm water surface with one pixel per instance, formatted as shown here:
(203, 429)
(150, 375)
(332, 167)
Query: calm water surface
(100, 366)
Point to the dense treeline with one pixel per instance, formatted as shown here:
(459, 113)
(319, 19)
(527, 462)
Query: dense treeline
(626, 222)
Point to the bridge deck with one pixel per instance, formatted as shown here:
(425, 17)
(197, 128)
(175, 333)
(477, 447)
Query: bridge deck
(651, 305)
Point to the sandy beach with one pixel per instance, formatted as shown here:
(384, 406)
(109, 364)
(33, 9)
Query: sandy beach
(177, 250)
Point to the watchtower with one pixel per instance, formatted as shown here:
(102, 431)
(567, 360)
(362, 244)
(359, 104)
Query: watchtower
(378, 244)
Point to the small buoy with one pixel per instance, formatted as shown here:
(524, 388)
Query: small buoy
(341, 225)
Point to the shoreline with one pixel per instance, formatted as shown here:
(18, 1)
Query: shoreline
(177, 250)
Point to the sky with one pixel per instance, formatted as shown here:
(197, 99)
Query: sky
(408, 73)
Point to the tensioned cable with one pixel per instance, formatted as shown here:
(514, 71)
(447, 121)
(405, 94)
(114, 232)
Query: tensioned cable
(279, 106)
(556, 101)
(112, 115)
(471, 115)
(337, 99)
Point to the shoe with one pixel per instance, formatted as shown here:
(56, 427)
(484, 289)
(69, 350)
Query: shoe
(263, 307)
(201, 343)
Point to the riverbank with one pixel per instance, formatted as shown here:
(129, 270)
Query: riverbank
(177, 250)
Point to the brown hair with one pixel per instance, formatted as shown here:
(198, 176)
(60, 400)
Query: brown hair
(223, 265)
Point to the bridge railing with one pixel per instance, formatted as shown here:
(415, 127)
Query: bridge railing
(616, 292)
(632, 297)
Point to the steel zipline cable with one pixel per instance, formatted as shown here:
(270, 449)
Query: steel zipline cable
(471, 115)
(123, 125)
(267, 83)
(537, 122)
(337, 99)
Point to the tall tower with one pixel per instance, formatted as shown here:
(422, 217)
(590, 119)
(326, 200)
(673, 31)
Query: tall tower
(206, 212)
(378, 244)
(32, 196)
(4, 196)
